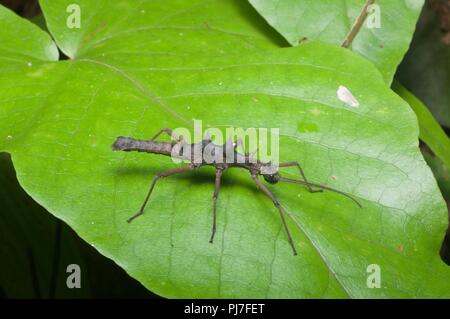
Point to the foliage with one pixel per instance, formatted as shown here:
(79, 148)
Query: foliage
(162, 64)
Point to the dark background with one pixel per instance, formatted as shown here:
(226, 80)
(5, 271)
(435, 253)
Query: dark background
(33, 260)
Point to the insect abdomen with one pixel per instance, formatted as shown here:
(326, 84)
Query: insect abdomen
(129, 144)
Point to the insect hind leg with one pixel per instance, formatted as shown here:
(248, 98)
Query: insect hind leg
(167, 173)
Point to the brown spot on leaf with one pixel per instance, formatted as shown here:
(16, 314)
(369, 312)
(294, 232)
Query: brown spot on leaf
(302, 40)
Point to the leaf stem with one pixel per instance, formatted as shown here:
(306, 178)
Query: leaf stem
(357, 25)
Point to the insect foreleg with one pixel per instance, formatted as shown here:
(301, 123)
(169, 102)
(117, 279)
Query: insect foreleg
(167, 131)
(296, 164)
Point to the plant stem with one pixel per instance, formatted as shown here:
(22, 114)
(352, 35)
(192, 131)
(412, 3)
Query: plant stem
(357, 25)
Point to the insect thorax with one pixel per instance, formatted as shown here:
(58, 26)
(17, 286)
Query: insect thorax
(208, 153)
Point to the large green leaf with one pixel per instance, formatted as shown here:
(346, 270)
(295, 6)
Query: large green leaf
(137, 69)
(331, 21)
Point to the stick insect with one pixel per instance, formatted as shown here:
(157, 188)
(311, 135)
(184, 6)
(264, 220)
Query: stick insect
(244, 161)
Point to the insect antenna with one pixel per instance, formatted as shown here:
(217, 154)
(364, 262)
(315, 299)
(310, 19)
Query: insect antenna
(296, 181)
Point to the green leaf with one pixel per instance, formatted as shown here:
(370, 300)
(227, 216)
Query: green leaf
(34, 45)
(161, 65)
(441, 172)
(105, 23)
(430, 130)
(425, 70)
(331, 21)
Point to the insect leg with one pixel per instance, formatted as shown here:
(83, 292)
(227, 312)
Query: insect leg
(266, 191)
(155, 179)
(215, 196)
(291, 164)
(167, 131)
(290, 180)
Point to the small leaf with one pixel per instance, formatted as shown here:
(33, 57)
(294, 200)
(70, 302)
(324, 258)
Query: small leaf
(430, 130)
(383, 39)
(441, 172)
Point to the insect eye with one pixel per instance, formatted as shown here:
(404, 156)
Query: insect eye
(270, 178)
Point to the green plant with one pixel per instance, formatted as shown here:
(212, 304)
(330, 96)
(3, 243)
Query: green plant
(134, 69)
